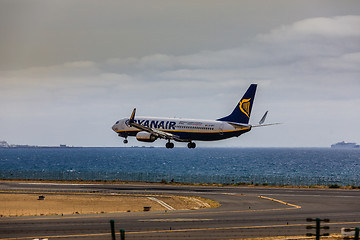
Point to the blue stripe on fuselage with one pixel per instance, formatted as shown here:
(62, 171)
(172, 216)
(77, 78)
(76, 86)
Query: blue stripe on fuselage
(193, 135)
(209, 136)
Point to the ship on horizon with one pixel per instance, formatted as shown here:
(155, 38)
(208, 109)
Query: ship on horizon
(345, 145)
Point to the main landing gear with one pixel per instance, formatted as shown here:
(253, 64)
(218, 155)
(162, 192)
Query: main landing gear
(191, 145)
(169, 145)
(125, 141)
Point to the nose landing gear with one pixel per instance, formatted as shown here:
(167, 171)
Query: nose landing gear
(125, 141)
(191, 145)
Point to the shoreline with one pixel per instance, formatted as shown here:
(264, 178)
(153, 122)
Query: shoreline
(163, 182)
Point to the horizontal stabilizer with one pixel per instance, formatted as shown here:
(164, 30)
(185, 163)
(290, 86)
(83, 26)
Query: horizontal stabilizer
(265, 125)
(263, 120)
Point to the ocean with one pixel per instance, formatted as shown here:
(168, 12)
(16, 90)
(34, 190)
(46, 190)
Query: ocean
(266, 166)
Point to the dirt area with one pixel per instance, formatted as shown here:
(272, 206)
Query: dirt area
(28, 204)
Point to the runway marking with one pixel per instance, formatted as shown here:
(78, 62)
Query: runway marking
(279, 201)
(268, 198)
(175, 220)
(198, 201)
(180, 230)
(314, 195)
(230, 228)
(165, 205)
(55, 184)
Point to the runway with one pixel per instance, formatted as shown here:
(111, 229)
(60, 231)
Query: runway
(245, 212)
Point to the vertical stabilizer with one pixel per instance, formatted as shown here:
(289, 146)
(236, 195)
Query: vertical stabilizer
(242, 111)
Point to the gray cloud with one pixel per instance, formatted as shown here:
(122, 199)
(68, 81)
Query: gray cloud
(307, 73)
(45, 33)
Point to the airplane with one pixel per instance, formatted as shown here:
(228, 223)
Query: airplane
(149, 129)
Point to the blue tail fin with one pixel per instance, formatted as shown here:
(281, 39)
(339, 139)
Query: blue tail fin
(242, 111)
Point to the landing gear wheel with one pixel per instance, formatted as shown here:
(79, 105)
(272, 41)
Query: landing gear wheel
(126, 141)
(191, 145)
(169, 145)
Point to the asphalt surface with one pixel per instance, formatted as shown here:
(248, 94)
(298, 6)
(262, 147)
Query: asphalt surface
(245, 212)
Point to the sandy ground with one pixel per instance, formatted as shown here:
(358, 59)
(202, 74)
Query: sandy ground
(27, 204)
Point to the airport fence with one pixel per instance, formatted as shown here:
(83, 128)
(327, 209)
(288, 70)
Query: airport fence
(291, 180)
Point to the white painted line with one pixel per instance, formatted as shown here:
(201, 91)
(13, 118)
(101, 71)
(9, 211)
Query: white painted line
(201, 203)
(165, 205)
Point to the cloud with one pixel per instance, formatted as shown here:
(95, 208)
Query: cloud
(285, 54)
(336, 27)
(309, 45)
(304, 70)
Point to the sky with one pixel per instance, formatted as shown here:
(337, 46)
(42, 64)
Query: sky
(69, 69)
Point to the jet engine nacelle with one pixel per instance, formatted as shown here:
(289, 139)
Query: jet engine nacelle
(145, 137)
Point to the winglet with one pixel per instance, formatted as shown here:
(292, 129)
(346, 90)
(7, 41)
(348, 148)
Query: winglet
(263, 118)
(261, 122)
(131, 120)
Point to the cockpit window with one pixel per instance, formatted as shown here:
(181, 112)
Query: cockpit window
(117, 122)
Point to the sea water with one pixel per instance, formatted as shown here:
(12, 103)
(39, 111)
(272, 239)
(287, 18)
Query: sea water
(279, 166)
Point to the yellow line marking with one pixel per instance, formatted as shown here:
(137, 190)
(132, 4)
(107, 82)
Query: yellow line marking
(183, 230)
(279, 201)
(175, 220)
(169, 130)
(272, 199)
(229, 228)
(225, 131)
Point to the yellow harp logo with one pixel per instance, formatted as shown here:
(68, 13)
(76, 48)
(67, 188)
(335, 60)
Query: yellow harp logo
(244, 106)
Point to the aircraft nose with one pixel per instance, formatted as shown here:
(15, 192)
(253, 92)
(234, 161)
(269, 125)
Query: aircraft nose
(115, 127)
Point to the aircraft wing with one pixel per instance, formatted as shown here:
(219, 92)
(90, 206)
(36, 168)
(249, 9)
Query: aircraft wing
(157, 133)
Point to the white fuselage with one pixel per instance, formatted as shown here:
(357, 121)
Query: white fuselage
(186, 129)
(148, 129)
